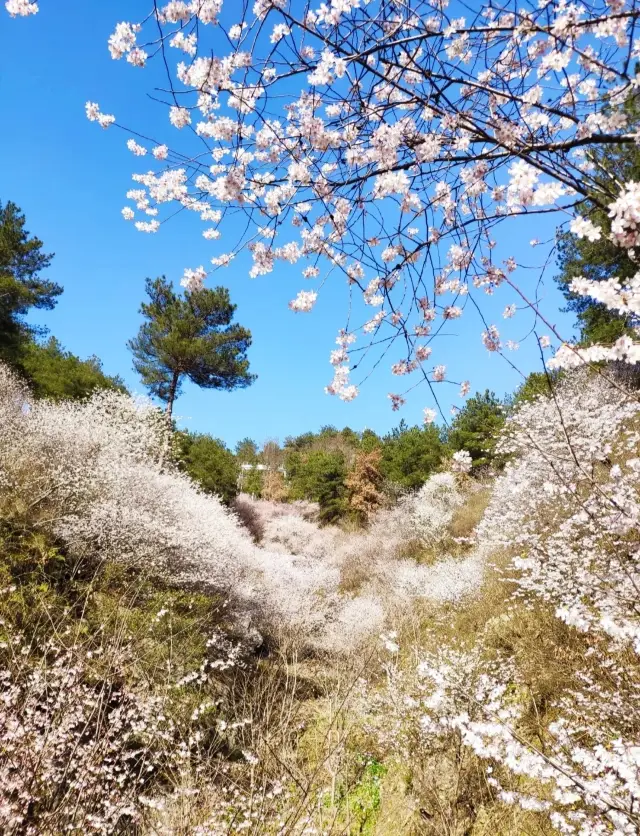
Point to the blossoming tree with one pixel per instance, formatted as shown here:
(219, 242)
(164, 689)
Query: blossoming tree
(384, 142)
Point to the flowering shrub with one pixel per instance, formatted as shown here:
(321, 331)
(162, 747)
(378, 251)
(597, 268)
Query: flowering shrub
(461, 462)
(557, 742)
(569, 503)
(77, 751)
(88, 472)
(431, 509)
(92, 727)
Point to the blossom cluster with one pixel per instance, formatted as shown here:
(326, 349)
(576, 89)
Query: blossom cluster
(395, 182)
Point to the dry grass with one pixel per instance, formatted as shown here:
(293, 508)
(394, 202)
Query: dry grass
(467, 516)
(354, 575)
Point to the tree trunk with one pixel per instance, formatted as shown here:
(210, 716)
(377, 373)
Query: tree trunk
(168, 413)
(172, 394)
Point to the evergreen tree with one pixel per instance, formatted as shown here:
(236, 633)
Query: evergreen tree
(319, 476)
(411, 454)
(370, 441)
(55, 373)
(247, 451)
(252, 482)
(189, 336)
(476, 428)
(21, 285)
(50, 371)
(299, 442)
(209, 463)
(537, 383)
(329, 487)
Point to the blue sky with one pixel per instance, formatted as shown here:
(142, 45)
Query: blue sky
(70, 179)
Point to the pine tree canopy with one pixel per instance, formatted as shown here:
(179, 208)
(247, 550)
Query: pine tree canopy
(189, 336)
(21, 285)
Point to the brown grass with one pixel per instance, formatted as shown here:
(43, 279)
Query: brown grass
(467, 517)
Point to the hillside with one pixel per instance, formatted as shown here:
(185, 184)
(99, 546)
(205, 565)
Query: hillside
(467, 663)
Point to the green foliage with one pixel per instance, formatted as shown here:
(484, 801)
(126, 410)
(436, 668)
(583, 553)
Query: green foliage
(411, 454)
(329, 486)
(209, 463)
(476, 428)
(55, 373)
(537, 383)
(370, 441)
(596, 261)
(189, 336)
(364, 800)
(600, 260)
(45, 586)
(21, 285)
(320, 477)
(50, 371)
(247, 451)
(357, 804)
(408, 457)
(329, 439)
(252, 482)
(300, 442)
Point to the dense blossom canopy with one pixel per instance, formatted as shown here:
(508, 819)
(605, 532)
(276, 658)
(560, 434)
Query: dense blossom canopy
(383, 141)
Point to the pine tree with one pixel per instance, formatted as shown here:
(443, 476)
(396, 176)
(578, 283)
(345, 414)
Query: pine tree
(247, 451)
(191, 337)
(329, 480)
(411, 454)
(476, 428)
(209, 463)
(21, 284)
(57, 374)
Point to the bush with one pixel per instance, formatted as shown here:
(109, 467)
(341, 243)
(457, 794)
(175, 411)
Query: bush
(101, 671)
(523, 705)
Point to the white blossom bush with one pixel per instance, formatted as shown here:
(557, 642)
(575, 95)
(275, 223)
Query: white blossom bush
(86, 744)
(449, 579)
(431, 509)
(89, 473)
(579, 773)
(77, 752)
(295, 535)
(569, 503)
(461, 462)
(564, 515)
(372, 559)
